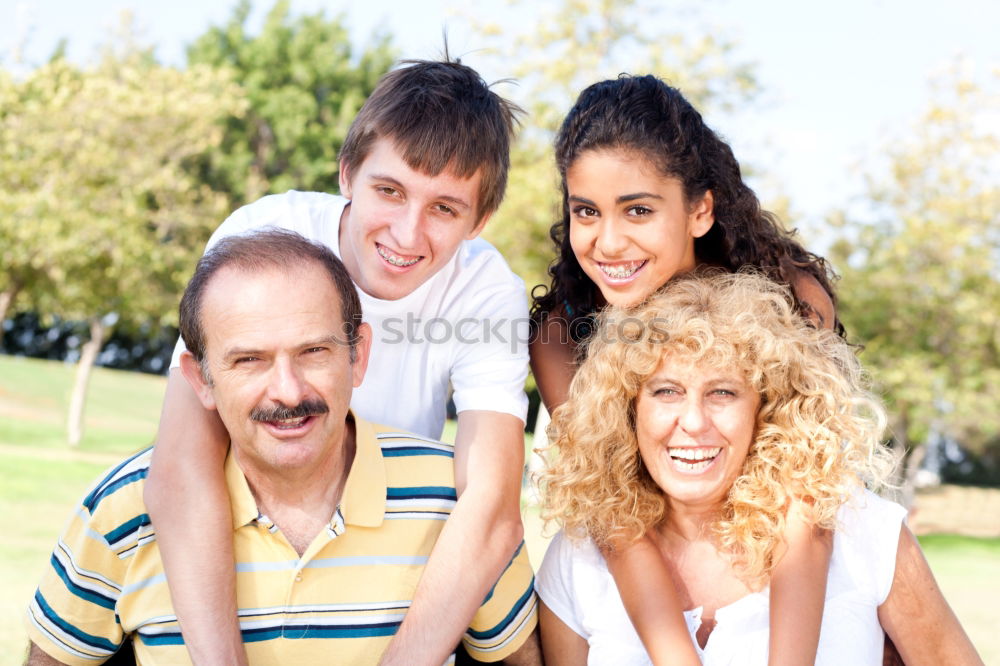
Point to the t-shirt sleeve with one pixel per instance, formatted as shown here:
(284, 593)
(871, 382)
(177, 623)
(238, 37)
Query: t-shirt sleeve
(873, 524)
(554, 583)
(72, 616)
(508, 615)
(491, 358)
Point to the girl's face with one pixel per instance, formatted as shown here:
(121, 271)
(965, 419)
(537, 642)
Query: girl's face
(630, 226)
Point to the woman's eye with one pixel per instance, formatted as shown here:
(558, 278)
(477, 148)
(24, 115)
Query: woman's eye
(584, 212)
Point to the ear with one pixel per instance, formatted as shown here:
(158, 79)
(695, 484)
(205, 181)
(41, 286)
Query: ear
(344, 179)
(361, 350)
(191, 370)
(702, 215)
(480, 225)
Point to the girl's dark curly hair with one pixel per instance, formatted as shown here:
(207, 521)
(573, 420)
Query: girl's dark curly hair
(644, 115)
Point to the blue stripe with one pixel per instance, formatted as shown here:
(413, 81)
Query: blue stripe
(101, 490)
(346, 631)
(173, 638)
(124, 530)
(95, 642)
(499, 628)
(420, 492)
(404, 451)
(97, 497)
(82, 592)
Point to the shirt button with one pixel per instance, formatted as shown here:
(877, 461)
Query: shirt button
(298, 578)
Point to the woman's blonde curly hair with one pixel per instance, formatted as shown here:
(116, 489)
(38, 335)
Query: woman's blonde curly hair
(818, 435)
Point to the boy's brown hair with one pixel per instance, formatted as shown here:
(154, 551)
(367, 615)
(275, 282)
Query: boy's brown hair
(439, 115)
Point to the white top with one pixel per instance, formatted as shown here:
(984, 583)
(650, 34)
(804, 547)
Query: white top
(575, 584)
(467, 326)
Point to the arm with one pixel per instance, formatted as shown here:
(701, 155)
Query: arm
(38, 657)
(561, 646)
(798, 591)
(553, 361)
(186, 487)
(652, 602)
(477, 541)
(916, 616)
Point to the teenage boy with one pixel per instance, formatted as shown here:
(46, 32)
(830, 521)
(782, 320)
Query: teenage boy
(423, 167)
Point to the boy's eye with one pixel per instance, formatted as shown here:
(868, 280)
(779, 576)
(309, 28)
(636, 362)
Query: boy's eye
(447, 210)
(388, 191)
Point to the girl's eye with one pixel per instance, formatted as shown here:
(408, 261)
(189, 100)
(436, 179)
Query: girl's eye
(584, 212)
(639, 211)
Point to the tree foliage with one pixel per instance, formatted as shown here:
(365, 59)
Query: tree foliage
(304, 84)
(568, 45)
(101, 217)
(921, 278)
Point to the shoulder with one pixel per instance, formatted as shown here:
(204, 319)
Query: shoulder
(478, 262)
(315, 215)
(809, 291)
(866, 540)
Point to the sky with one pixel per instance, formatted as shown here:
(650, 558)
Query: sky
(840, 80)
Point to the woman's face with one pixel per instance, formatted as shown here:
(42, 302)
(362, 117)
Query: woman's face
(694, 424)
(630, 226)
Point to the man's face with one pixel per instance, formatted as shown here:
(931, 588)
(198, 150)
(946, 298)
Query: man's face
(402, 225)
(280, 371)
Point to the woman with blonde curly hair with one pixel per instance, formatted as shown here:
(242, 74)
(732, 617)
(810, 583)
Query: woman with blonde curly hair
(698, 419)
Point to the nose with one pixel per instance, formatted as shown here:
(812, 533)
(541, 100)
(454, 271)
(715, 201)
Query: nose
(611, 242)
(693, 419)
(406, 228)
(287, 386)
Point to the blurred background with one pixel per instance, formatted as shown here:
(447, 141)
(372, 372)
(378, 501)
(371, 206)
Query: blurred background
(129, 130)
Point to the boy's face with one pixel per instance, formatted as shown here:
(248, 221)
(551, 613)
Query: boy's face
(402, 225)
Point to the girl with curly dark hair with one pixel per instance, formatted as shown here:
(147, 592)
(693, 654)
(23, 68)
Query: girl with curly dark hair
(650, 192)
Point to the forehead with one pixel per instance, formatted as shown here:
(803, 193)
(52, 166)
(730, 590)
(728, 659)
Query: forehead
(612, 169)
(386, 158)
(269, 308)
(711, 364)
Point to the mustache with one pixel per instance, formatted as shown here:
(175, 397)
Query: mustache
(281, 412)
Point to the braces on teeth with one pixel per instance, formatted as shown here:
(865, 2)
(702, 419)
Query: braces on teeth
(621, 270)
(394, 260)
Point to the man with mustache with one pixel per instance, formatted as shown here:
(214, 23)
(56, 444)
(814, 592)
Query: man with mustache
(333, 517)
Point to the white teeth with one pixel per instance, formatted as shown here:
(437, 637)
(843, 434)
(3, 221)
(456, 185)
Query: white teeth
(621, 271)
(694, 455)
(395, 259)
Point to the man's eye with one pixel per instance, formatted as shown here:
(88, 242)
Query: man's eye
(246, 359)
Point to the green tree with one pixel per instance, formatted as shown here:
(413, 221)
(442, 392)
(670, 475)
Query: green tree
(305, 84)
(921, 278)
(101, 217)
(566, 46)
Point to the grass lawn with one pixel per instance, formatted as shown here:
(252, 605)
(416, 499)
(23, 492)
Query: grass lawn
(43, 479)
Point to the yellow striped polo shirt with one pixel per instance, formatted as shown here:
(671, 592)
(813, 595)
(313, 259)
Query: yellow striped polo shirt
(340, 602)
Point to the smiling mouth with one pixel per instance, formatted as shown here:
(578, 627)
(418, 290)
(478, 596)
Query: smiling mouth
(395, 259)
(694, 460)
(289, 424)
(621, 270)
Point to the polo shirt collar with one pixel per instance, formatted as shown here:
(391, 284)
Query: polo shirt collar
(363, 501)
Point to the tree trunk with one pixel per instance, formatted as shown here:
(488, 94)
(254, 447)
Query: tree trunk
(78, 399)
(7, 297)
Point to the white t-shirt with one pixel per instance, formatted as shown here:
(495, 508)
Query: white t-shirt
(465, 327)
(575, 584)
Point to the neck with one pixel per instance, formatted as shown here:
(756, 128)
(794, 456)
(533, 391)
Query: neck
(308, 496)
(691, 523)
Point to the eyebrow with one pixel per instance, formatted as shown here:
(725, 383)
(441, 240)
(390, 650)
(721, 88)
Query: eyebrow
(395, 183)
(331, 339)
(625, 198)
